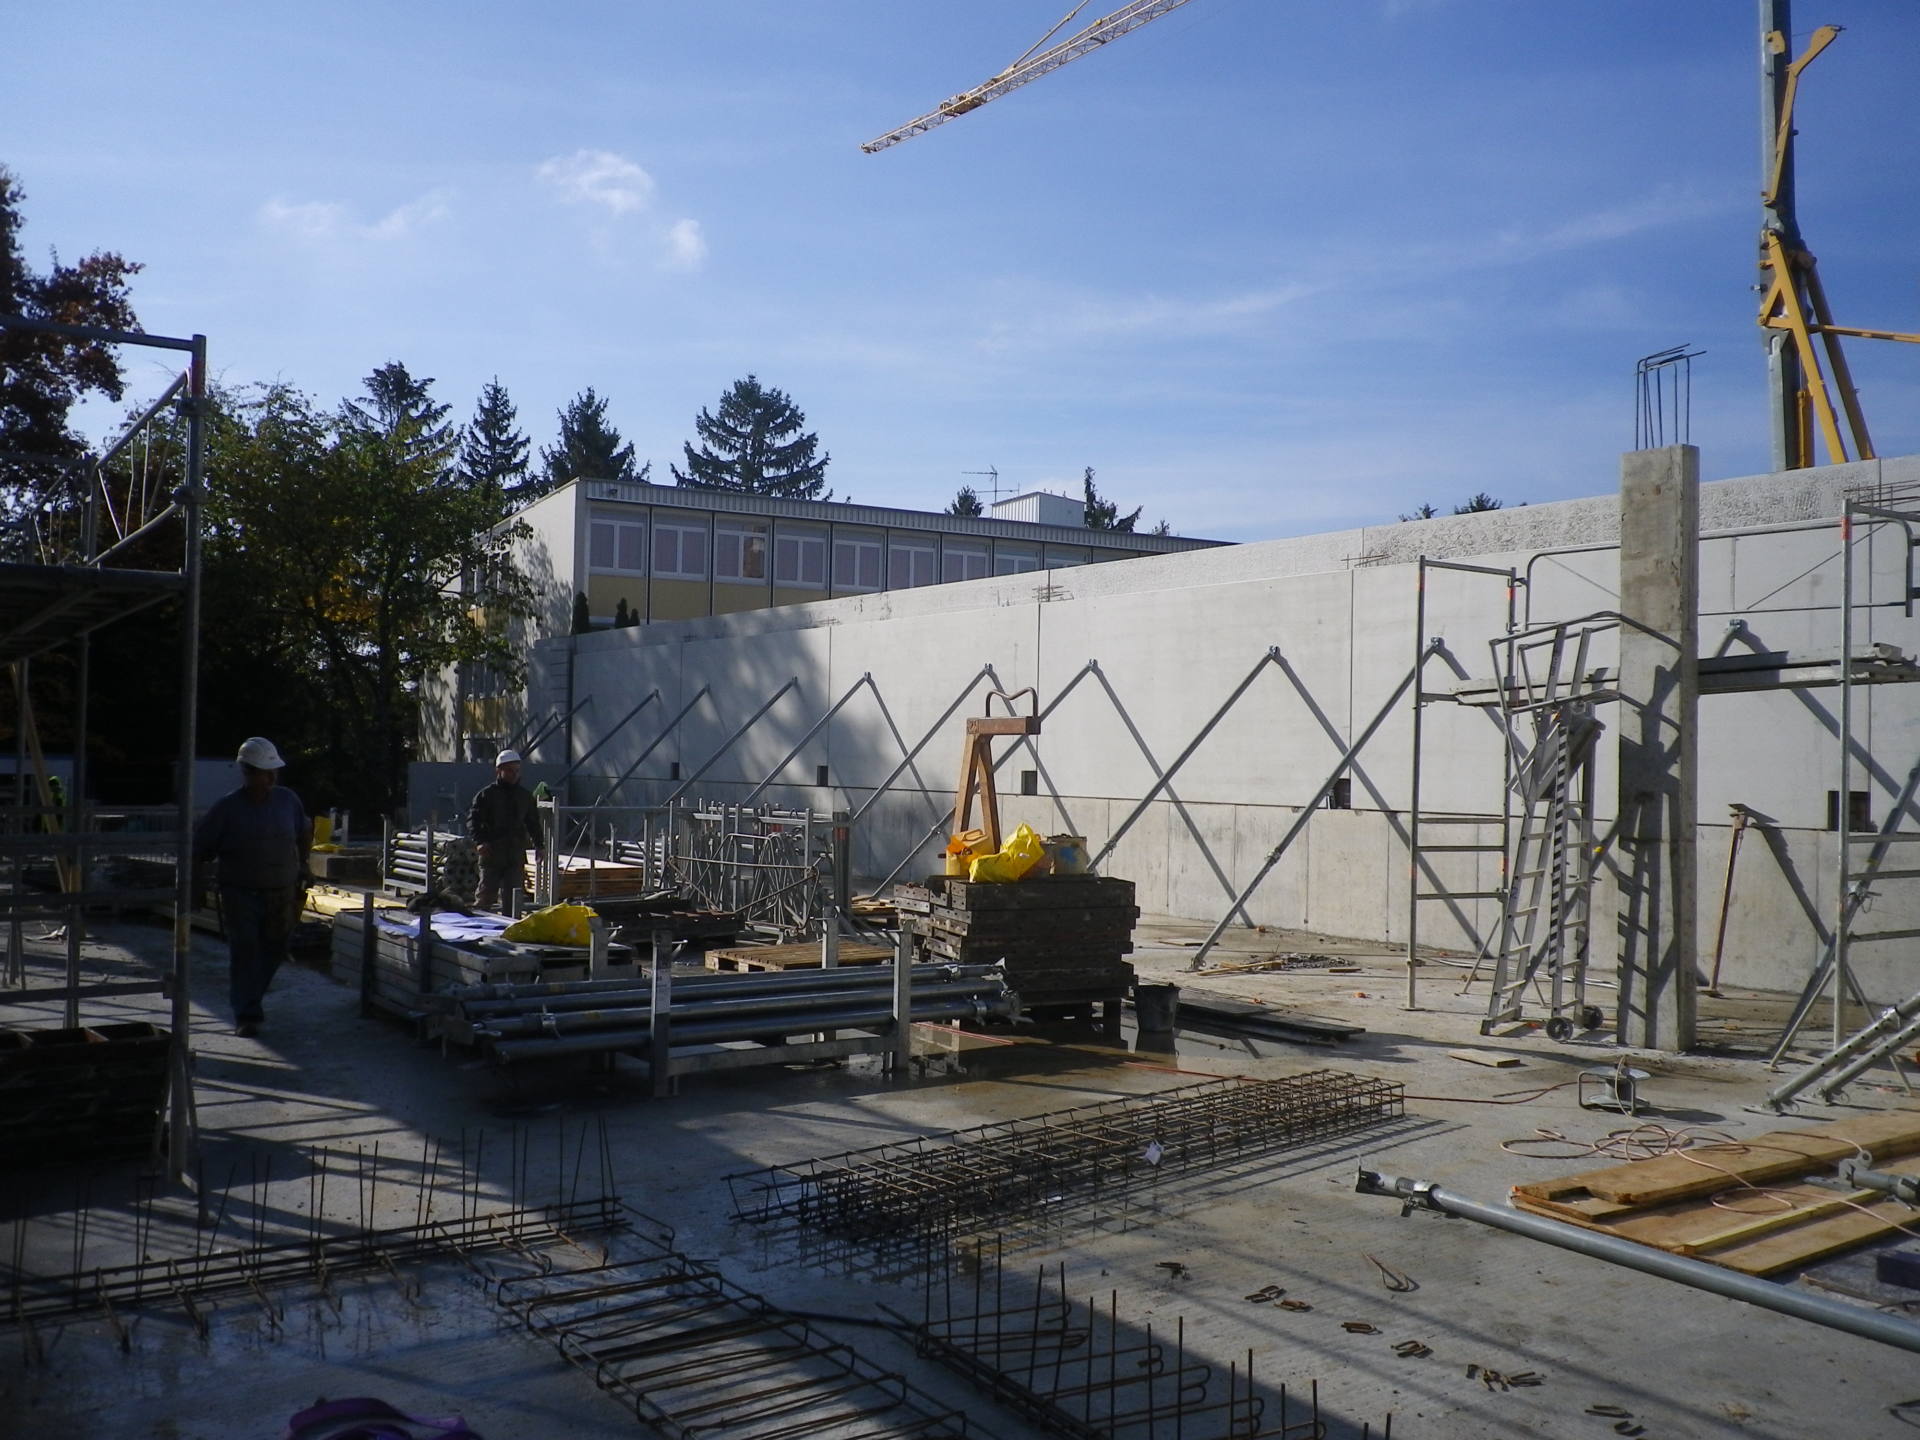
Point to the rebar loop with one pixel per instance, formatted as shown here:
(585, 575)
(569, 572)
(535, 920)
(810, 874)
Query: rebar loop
(1075, 1367)
(693, 1354)
(934, 1188)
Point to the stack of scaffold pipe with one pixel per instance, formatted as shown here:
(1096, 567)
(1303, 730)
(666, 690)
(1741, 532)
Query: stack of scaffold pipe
(417, 860)
(524, 1022)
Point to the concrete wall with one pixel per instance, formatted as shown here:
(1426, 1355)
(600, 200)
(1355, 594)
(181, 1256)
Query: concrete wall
(439, 793)
(1133, 657)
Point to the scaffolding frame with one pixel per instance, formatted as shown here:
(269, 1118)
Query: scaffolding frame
(44, 606)
(1451, 822)
(1868, 510)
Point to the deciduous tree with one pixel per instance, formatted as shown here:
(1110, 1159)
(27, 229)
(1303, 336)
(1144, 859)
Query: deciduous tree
(342, 543)
(42, 375)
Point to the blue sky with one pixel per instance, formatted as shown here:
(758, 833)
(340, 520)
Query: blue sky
(1270, 266)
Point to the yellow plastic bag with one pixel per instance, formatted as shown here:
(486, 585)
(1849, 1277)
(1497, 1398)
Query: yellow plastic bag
(555, 925)
(1020, 854)
(963, 849)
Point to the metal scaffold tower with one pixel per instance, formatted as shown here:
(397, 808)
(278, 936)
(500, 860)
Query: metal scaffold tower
(87, 577)
(1869, 861)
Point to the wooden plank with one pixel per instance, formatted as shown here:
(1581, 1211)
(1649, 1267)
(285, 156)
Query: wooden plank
(792, 957)
(1766, 1157)
(1488, 1058)
(1823, 1223)
(1807, 1243)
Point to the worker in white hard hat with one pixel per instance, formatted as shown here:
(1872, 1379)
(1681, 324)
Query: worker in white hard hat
(503, 822)
(258, 842)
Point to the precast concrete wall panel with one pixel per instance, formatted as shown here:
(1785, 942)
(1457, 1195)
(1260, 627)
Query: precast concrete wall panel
(1174, 634)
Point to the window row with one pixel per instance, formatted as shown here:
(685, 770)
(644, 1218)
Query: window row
(800, 558)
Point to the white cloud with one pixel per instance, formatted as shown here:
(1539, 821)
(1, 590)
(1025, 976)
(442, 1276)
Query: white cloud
(686, 245)
(599, 177)
(325, 221)
(1665, 206)
(1144, 318)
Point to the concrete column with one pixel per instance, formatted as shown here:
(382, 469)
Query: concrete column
(1659, 689)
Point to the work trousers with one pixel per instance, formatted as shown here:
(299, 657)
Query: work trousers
(503, 872)
(258, 923)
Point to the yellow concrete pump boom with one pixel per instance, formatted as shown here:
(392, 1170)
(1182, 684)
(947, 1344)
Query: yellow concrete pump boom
(1031, 66)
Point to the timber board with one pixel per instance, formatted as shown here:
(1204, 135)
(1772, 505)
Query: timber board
(1759, 1240)
(793, 957)
(1598, 1194)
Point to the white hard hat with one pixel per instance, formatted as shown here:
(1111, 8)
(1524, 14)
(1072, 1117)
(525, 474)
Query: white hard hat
(506, 757)
(260, 754)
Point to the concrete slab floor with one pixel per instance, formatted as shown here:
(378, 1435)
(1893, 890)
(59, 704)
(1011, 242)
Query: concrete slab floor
(1686, 1364)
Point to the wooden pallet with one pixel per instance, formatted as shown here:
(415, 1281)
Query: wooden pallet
(1670, 1202)
(793, 957)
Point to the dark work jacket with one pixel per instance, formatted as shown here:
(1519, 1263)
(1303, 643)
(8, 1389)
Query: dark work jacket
(505, 815)
(259, 844)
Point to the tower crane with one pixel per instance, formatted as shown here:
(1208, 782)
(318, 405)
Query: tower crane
(1793, 304)
(1032, 66)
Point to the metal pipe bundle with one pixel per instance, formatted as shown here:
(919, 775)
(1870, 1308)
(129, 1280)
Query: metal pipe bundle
(715, 1032)
(588, 1017)
(573, 1022)
(517, 1000)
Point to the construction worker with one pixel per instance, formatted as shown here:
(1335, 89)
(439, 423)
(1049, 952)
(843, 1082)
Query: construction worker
(259, 840)
(502, 822)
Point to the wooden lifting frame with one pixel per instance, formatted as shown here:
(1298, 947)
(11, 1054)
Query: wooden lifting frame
(976, 763)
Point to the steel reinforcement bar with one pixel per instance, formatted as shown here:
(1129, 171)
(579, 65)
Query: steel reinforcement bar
(1077, 1368)
(1018, 1169)
(188, 1279)
(695, 1355)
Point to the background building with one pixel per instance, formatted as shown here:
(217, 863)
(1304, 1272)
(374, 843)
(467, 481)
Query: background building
(679, 554)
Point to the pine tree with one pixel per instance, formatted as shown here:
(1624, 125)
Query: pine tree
(755, 443)
(1476, 503)
(582, 618)
(402, 410)
(1423, 511)
(589, 448)
(1105, 514)
(493, 452)
(966, 503)
(1163, 528)
(620, 613)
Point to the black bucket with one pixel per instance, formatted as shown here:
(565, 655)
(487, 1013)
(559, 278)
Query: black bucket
(1156, 1008)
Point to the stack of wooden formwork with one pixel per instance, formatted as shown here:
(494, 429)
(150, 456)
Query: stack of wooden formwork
(400, 985)
(80, 1095)
(1062, 939)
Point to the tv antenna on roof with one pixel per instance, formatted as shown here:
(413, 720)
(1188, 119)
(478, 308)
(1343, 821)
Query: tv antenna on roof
(993, 473)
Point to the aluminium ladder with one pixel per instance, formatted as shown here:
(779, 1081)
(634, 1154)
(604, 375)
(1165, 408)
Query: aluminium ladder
(1549, 687)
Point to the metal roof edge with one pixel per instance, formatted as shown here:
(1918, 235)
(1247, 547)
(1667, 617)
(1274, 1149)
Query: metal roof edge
(775, 507)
